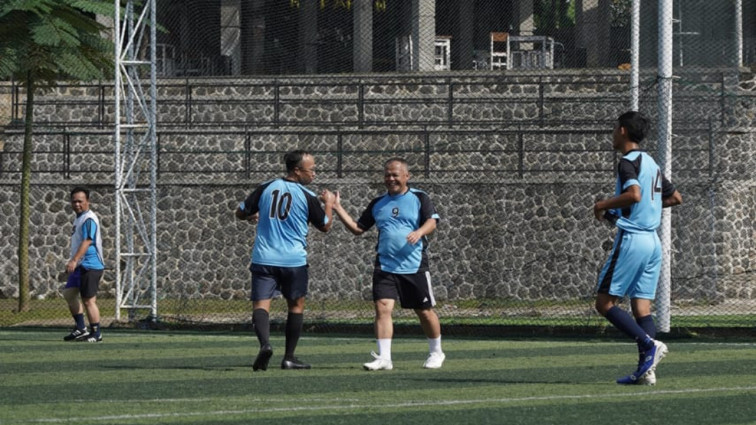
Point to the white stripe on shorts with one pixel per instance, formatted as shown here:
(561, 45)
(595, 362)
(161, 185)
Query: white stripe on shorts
(430, 289)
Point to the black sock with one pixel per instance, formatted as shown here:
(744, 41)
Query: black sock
(647, 323)
(79, 318)
(95, 328)
(293, 330)
(261, 323)
(625, 323)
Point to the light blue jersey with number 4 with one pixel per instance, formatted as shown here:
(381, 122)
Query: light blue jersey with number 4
(637, 168)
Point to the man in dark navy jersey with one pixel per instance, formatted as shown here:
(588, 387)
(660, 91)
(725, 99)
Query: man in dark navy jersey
(634, 264)
(283, 208)
(404, 217)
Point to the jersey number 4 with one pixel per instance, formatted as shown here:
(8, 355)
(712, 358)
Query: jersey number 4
(657, 185)
(281, 205)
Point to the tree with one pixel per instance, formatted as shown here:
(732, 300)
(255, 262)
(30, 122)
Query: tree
(553, 15)
(621, 11)
(41, 42)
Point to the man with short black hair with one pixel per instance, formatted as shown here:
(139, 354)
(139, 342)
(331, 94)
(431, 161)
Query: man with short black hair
(634, 264)
(85, 268)
(282, 208)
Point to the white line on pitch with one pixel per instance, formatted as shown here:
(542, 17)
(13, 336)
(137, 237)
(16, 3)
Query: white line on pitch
(384, 406)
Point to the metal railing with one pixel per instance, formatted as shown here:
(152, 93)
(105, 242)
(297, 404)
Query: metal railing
(61, 156)
(548, 99)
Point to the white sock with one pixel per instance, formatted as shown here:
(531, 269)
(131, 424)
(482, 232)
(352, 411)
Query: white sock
(384, 348)
(434, 345)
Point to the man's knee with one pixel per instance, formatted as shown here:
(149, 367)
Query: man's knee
(296, 306)
(384, 307)
(424, 312)
(71, 295)
(604, 303)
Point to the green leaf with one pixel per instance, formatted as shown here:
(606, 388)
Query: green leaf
(54, 39)
(98, 7)
(76, 65)
(8, 63)
(56, 32)
(37, 7)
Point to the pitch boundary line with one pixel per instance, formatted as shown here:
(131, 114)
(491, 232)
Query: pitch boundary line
(394, 405)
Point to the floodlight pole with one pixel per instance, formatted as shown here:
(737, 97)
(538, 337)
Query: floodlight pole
(135, 140)
(663, 292)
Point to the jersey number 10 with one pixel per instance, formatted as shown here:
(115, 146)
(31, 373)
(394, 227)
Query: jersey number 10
(280, 206)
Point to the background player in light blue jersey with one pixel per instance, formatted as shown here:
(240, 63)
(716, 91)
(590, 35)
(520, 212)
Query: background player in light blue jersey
(633, 266)
(85, 268)
(283, 208)
(404, 217)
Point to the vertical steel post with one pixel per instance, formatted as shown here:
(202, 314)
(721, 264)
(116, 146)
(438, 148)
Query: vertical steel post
(663, 293)
(635, 56)
(117, 156)
(152, 122)
(738, 33)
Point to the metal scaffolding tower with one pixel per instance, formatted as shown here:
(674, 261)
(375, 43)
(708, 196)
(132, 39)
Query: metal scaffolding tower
(135, 158)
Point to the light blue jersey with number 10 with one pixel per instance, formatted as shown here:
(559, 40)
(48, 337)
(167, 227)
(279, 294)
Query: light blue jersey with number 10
(285, 209)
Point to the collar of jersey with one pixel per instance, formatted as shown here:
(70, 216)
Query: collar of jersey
(400, 194)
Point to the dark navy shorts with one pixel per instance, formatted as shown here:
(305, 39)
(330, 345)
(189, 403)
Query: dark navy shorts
(87, 281)
(270, 281)
(412, 290)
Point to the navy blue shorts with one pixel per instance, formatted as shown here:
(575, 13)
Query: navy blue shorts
(86, 281)
(270, 281)
(412, 290)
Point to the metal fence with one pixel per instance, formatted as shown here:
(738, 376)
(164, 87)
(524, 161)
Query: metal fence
(503, 109)
(274, 37)
(516, 246)
(462, 100)
(177, 159)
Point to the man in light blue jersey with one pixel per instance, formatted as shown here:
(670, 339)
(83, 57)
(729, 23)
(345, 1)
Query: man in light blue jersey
(634, 264)
(85, 268)
(404, 217)
(283, 208)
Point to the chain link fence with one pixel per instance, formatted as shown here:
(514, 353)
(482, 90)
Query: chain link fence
(504, 111)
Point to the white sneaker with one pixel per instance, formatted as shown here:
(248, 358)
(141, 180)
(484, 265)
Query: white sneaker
(434, 360)
(379, 363)
(648, 379)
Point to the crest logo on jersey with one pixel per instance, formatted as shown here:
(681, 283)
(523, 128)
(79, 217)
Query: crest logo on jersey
(395, 212)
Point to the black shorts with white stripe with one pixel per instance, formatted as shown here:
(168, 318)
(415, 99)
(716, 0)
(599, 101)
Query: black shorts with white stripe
(412, 290)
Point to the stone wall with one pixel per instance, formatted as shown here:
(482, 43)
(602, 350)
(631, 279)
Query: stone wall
(534, 241)
(516, 201)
